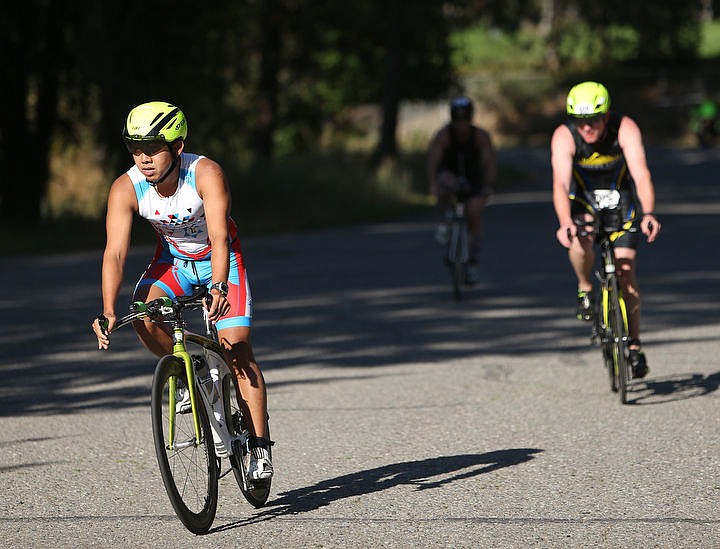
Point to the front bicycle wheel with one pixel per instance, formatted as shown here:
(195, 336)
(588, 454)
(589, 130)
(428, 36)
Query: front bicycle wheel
(188, 466)
(255, 492)
(606, 341)
(618, 333)
(458, 242)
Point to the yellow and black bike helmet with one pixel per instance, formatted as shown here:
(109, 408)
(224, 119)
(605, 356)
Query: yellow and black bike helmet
(588, 100)
(155, 121)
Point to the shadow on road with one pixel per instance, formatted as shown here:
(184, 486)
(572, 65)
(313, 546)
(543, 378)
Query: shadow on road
(368, 296)
(422, 475)
(674, 387)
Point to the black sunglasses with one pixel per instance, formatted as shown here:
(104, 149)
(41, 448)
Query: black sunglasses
(580, 120)
(148, 148)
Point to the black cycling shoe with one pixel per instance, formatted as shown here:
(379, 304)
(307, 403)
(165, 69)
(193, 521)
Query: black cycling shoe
(584, 305)
(638, 362)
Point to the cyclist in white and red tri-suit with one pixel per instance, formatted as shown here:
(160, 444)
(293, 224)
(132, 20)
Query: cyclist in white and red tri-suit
(186, 199)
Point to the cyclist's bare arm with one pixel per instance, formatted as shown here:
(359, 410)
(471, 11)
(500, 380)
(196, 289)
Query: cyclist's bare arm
(438, 144)
(213, 189)
(630, 139)
(562, 147)
(122, 203)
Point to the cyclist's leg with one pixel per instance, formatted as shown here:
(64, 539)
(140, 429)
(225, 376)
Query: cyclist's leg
(582, 259)
(581, 252)
(447, 187)
(250, 381)
(625, 264)
(161, 278)
(252, 399)
(475, 208)
(625, 260)
(234, 334)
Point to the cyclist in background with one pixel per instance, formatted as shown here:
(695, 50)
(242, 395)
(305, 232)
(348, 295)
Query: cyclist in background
(186, 199)
(704, 123)
(460, 154)
(600, 149)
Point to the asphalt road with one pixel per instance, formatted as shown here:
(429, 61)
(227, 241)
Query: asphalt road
(402, 418)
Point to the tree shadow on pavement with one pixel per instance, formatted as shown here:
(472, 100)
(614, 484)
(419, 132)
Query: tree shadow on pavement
(423, 474)
(369, 296)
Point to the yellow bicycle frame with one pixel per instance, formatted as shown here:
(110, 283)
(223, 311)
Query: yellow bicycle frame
(180, 351)
(606, 308)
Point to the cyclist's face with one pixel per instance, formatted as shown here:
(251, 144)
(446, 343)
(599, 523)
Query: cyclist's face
(462, 126)
(153, 161)
(591, 129)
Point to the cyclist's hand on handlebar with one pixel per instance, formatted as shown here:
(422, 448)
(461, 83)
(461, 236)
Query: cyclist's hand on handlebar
(650, 226)
(219, 307)
(102, 326)
(566, 233)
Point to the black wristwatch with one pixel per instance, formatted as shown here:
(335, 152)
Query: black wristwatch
(221, 287)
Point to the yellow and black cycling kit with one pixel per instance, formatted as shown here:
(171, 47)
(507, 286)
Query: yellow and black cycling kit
(602, 166)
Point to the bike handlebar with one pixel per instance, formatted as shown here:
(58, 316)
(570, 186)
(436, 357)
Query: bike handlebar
(596, 223)
(162, 308)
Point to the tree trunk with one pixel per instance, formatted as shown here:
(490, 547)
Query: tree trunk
(14, 139)
(391, 82)
(268, 88)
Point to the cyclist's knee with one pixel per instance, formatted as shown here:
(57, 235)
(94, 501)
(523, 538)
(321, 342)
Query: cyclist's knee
(625, 266)
(239, 354)
(582, 246)
(625, 269)
(153, 337)
(246, 371)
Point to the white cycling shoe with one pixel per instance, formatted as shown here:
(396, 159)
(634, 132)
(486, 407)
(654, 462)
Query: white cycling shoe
(442, 234)
(183, 406)
(260, 467)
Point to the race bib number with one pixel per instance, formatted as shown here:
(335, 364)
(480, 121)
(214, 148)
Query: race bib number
(607, 199)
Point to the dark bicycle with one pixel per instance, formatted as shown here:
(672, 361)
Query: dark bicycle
(610, 320)
(457, 250)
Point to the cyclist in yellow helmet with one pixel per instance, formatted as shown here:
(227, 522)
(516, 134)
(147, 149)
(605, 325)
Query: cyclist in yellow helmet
(599, 149)
(186, 199)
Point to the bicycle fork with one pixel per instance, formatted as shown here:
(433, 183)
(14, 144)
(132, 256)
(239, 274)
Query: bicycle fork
(458, 241)
(601, 321)
(180, 352)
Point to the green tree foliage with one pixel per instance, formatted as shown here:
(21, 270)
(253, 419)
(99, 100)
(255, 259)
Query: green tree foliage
(263, 78)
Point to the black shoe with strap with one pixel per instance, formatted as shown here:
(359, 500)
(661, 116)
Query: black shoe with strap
(637, 360)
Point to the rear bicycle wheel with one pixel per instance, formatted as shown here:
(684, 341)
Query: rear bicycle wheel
(188, 467)
(255, 492)
(618, 333)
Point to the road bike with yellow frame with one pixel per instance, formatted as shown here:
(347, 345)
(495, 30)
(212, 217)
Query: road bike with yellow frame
(196, 419)
(604, 221)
